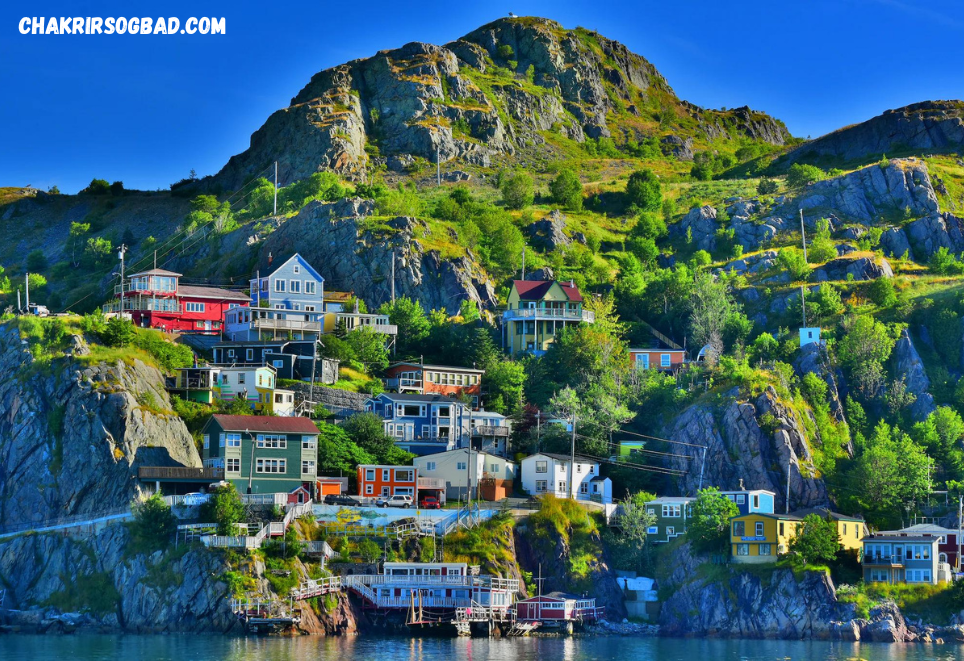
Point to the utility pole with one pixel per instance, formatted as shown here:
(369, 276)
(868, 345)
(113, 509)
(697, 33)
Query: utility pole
(523, 261)
(572, 458)
(538, 431)
(789, 466)
(960, 528)
(803, 303)
(438, 164)
(276, 188)
(702, 466)
(26, 286)
(803, 236)
(393, 276)
(120, 255)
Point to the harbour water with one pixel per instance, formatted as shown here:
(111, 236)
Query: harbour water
(375, 648)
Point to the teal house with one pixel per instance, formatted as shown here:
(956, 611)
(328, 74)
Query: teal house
(262, 454)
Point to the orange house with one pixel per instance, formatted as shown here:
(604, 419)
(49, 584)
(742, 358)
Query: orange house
(375, 481)
(657, 359)
(435, 379)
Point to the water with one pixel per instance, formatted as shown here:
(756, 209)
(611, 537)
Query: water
(374, 648)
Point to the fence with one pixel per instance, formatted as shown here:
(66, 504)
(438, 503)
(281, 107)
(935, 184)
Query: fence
(69, 522)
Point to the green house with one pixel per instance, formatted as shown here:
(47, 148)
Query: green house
(262, 454)
(672, 514)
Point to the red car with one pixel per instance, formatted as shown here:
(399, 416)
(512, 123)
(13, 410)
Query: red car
(430, 503)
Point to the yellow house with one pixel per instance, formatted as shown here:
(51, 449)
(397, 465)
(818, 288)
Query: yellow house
(539, 309)
(760, 537)
(850, 529)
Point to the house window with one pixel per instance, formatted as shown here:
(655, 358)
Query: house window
(279, 286)
(308, 442)
(194, 307)
(461, 465)
(370, 474)
(233, 440)
(542, 467)
(756, 502)
(743, 549)
(309, 308)
(765, 549)
(740, 499)
(584, 487)
(739, 528)
(309, 286)
(411, 410)
(270, 466)
(430, 465)
(221, 440)
(541, 486)
(404, 475)
(273, 441)
(578, 468)
(296, 269)
(845, 528)
(307, 467)
(759, 529)
(232, 465)
(562, 486)
(781, 529)
(670, 531)
(494, 468)
(296, 286)
(664, 360)
(249, 354)
(384, 475)
(642, 361)
(241, 378)
(207, 441)
(278, 364)
(672, 511)
(230, 353)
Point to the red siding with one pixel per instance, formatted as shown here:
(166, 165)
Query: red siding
(391, 483)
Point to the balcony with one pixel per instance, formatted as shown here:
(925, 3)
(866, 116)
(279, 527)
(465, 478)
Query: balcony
(265, 323)
(431, 483)
(404, 383)
(141, 303)
(377, 322)
(560, 314)
(180, 473)
(500, 431)
(883, 560)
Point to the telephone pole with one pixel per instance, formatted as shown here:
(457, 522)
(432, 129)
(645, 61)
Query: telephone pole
(393, 276)
(120, 255)
(26, 286)
(803, 236)
(438, 164)
(523, 261)
(572, 458)
(276, 188)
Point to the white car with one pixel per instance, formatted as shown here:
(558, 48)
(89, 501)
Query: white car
(398, 500)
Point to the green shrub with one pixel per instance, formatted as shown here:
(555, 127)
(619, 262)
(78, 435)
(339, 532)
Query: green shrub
(882, 292)
(801, 175)
(518, 191)
(566, 190)
(118, 332)
(767, 186)
(644, 190)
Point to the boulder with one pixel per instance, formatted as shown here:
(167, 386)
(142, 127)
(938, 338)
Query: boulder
(548, 234)
(544, 273)
(927, 235)
(862, 268)
(700, 222)
(894, 243)
(677, 147)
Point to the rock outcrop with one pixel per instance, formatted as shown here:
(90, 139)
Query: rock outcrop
(72, 436)
(334, 237)
(907, 364)
(814, 359)
(750, 442)
(549, 233)
(861, 268)
(926, 126)
(699, 224)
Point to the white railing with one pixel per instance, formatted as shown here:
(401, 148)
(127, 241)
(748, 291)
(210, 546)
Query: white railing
(490, 582)
(273, 529)
(271, 499)
(286, 324)
(316, 587)
(550, 313)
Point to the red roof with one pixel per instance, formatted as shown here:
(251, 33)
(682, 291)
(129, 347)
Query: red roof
(266, 423)
(535, 290)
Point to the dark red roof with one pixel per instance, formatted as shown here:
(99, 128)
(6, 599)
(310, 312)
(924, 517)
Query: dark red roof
(266, 423)
(211, 292)
(534, 290)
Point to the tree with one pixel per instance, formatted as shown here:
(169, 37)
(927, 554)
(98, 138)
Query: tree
(367, 431)
(224, 508)
(801, 175)
(648, 226)
(943, 262)
(154, 524)
(518, 191)
(117, 188)
(368, 550)
(97, 187)
(816, 539)
(566, 190)
(766, 186)
(822, 248)
(645, 190)
(75, 240)
(635, 519)
(504, 380)
(882, 292)
(118, 332)
(711, 304)
(710, 526)
(98, 252)
(36, 260)
(338, 454)
(862, 350)
(368, 346)
(791, 259)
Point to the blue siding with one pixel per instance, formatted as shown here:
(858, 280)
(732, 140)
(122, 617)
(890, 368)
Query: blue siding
(305, 277)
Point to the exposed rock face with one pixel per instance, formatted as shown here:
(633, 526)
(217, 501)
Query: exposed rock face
(423, 100)
(867, 194)
(930, 125)
(744, 606)
(673, 145)
(739, 449)
(543, 274)
(332, 236)
(548, 234)
(862, 268)
(927, 235)
(71, 442)
(700, 222)
(37, 568)
(814, 359)
(907, 363)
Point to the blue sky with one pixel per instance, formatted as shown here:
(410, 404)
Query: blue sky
(148, 109)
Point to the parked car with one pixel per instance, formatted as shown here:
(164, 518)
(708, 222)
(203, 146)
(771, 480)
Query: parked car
(398, 500)
(193, 499)
(430, 503)
(340, 499)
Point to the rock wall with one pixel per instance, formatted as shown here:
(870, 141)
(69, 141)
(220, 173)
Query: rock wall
(740, 449)
(908, 364)
(333, 237)
(73, 436)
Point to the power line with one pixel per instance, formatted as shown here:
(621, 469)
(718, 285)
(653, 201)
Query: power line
(613, 444)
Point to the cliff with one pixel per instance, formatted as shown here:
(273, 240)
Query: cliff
(74, 432)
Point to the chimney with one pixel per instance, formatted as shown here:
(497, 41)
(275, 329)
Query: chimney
(356, 306)
(741, 484)
(270, 258)
(572, 283)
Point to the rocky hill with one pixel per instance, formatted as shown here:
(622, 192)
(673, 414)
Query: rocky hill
(495, 92)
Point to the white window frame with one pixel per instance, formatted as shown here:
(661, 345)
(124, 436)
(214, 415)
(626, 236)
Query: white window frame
(310, 287)
(232, 465)
(233, 440)
(308, 442)
(542, 486)
(273, 441)
(665, 360)
(271, 465)
(280, 285)
(249, 354)
(307, 467)
(429, 465)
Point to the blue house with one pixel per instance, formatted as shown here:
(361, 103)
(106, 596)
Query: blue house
(750, 501)
(286, 304)
(422, 424)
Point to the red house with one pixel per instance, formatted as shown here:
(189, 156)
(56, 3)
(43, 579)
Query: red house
(156, 299)
(376, 481)
(557, 607)
(658, 359)
(435, 379)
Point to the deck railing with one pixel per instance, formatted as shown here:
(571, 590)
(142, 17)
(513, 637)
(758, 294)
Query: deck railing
(551, 313)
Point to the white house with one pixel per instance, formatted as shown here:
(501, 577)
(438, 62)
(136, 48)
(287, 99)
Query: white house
(455, 467)
(545, 472)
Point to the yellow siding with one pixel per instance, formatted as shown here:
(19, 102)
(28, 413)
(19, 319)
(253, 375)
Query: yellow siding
(777, 541)
(850, 533)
